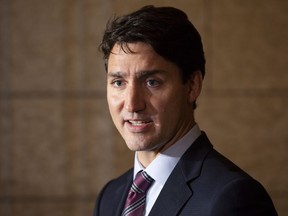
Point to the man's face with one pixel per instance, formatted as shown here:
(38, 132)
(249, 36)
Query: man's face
(148, 102)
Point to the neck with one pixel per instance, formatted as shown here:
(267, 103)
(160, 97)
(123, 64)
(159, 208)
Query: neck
(146, 157)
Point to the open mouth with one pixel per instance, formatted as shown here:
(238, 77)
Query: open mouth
(138, 122)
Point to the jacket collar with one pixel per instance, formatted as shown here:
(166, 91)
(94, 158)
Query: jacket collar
(176, 191)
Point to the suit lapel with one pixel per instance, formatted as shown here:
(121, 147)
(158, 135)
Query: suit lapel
(121, 193)
(172, 197)
(176, 190)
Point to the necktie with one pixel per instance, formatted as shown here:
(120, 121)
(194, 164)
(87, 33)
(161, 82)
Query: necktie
(135, 202)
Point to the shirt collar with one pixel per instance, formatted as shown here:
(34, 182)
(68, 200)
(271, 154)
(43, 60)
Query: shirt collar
(162, 166)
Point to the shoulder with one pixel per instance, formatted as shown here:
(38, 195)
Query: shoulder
(218, 172)
(225, 187)
(235, 187)
(210, 163)
(242, 196)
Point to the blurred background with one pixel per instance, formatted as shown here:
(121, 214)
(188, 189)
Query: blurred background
(58, 145)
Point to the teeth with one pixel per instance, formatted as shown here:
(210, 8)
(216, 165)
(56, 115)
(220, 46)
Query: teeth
(137, 123)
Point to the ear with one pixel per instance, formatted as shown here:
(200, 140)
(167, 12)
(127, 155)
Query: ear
(194, 85)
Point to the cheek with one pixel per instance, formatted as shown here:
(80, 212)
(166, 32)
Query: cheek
(114, 101)
(166, 101)
(170, 107)
(114, 109)
(164, 109)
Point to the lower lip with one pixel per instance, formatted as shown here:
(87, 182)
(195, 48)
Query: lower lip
(138, 128)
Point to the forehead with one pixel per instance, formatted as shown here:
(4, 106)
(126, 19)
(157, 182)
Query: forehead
(137, 56)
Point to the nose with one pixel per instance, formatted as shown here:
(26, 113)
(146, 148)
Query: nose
(135, 99)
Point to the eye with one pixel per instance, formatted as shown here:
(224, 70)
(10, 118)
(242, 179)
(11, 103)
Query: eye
(117, 83)
(152, 83)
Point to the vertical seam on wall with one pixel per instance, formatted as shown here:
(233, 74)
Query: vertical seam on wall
(5, 110)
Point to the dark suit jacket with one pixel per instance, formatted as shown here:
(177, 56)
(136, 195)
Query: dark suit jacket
(203, 183)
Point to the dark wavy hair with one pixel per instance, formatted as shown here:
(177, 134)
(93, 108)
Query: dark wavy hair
(166, 29)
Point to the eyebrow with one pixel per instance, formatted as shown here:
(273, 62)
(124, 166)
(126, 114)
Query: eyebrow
(139, 74)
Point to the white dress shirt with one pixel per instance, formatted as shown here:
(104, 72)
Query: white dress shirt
(162, 166)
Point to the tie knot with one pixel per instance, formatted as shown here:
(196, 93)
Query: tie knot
(142, 182)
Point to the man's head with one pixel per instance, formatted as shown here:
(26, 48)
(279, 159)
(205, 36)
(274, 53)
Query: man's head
(166, 29)
(153, 79)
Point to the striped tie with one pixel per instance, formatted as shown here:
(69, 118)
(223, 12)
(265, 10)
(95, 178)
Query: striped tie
(135, 202)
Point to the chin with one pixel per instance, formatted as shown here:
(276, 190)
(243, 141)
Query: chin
(136, 145)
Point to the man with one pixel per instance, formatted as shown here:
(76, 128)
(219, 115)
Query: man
(155, 66)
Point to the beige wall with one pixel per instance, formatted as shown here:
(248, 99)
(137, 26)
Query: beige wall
(58, 145)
